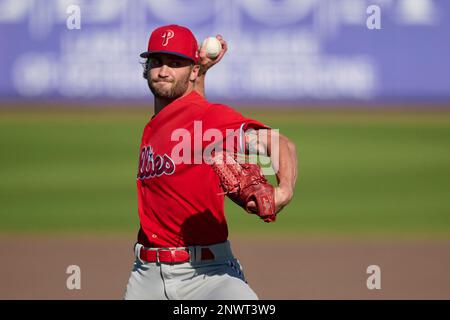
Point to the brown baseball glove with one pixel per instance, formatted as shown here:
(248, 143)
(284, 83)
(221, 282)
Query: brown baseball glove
(243, 183)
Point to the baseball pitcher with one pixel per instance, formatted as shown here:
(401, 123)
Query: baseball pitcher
(188, 163)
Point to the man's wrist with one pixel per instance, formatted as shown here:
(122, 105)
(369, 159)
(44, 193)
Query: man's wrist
(286, 190)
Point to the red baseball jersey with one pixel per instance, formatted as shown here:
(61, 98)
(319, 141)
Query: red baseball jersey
(179, 195)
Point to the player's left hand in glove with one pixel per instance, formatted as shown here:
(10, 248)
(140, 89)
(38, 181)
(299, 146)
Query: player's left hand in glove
(245, 185)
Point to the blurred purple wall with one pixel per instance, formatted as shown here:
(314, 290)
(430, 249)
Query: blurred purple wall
(281, 51)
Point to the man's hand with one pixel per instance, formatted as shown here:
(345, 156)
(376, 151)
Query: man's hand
(205, 62)
(282, 198)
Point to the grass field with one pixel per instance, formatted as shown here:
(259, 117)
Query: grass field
(361, 172)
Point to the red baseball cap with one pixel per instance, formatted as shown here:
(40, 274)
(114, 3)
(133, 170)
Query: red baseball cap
(173, 39)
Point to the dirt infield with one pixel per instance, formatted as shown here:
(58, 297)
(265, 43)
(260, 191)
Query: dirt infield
(35, 267)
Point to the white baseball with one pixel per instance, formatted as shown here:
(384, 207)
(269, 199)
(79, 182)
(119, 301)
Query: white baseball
(212, 47)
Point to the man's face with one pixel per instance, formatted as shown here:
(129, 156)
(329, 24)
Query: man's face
(168, 75)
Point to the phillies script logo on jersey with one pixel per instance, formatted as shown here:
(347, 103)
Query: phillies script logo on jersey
(151, 165)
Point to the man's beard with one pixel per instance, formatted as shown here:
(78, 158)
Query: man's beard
(177, 89)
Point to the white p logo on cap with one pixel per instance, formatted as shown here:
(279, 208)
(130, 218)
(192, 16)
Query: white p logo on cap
(166, 36)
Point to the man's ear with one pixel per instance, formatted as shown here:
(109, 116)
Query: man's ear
(194, 72)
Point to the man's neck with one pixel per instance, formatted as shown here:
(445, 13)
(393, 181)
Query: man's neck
(161, 103)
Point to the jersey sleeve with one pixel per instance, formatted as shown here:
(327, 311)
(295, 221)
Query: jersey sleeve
(231, 124)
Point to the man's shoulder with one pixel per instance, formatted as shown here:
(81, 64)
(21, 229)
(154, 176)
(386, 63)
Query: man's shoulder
(222, 116)
(219, 109)
(195, 98)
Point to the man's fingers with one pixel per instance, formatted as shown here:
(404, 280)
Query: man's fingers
(222, 42)
(206, 62)
(222, 51)
(202, 53)
(224, 46)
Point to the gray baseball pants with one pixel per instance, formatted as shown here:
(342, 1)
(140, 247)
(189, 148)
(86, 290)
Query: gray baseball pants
(218, 279)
